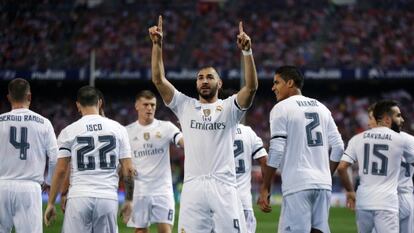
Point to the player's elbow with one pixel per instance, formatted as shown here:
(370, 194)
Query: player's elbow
(342, 168)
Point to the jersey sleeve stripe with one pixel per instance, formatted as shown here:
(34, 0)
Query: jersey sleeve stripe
(257, 151)
(64, 148)
(350, 157)
(174, 137)
(279, 136)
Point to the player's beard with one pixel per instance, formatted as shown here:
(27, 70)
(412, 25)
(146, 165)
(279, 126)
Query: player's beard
(395, 127)
(210, 95)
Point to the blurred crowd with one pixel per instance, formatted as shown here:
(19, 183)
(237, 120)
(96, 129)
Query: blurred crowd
(308, 33)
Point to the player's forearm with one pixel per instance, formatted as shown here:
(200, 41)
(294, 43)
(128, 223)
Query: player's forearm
(246, 94)
(129, 187)
(57, 178)
(343, 175)
(157, 64)
(268, 173)
(250, 74)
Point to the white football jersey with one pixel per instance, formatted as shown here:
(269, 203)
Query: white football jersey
(247, 146)
(378, 152)
(95, 145)
(209, 131)
(150, 147)
(310, 131)
(405, 182)
(26, 140)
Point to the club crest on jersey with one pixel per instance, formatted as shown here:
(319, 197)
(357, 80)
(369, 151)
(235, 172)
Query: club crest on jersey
(219, 108)
(206, 116)
(158, 134)
(146, 136)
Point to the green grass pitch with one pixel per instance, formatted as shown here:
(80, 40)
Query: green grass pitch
(341, 221)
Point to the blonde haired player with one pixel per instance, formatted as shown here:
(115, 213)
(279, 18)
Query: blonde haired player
(150, 141)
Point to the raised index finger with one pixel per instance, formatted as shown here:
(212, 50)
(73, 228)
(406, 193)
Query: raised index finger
(160, 22)
(241, 27)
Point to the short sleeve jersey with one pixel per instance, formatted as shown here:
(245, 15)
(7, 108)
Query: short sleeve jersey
(247, 146)
(209, 131)
(95, 145)
(26, 140)
(310, 131)
(150, 147)
(378, 152)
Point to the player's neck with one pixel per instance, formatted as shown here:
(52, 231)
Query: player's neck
(20, 105)
(89, 110)
(144, 122)
(208, 101)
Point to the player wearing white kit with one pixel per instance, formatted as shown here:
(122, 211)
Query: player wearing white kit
(378, 152)
(247, 146)
(302, 133)
(405, 183)
(405, 192)
(96, 146)
(26, 140)
(209, 200)
(150, 141)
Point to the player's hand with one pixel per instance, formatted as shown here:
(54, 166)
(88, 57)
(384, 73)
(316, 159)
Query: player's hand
(350, 200)
(126, 211)
(243, 40)
(264, 200)
(50, 214)
(155, 32)
(45, 187)
(63, 200)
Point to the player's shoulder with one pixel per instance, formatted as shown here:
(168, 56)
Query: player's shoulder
(131, 125)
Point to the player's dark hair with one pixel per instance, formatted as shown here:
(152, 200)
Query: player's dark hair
(147, 94)
(291, 73)
(383, 107)
(18, 89)
(88, 96)
(371, 108)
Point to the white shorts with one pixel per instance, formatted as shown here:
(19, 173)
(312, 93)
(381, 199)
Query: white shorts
(406, 212)
(152, 209)
(304, 210)
(90, 214)
(20, 206)
(382, 221)
(209, 205)
(250, 221)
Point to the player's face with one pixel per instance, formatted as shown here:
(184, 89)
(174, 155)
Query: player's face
(280, 88)
(208, 83)
(146, 108)
(372, 123)
(397, 119)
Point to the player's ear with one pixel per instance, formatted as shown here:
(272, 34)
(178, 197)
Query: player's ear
(9, 98)
(29, 97)
(78, 106)
(290, 83)
(99, 103)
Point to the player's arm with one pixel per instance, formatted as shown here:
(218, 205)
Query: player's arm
(128, 174)
(64, 191)
(336, 145)
(346, 182)
(246, 94)
(165, 88)
(61, 167)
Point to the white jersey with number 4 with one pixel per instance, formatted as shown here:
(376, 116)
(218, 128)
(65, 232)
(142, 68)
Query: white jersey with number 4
(26, 140)
(209, 131)
(405, 182)
(95, 145)
(247, 146)
(150, 147)
(378, 152)
(309, 130)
